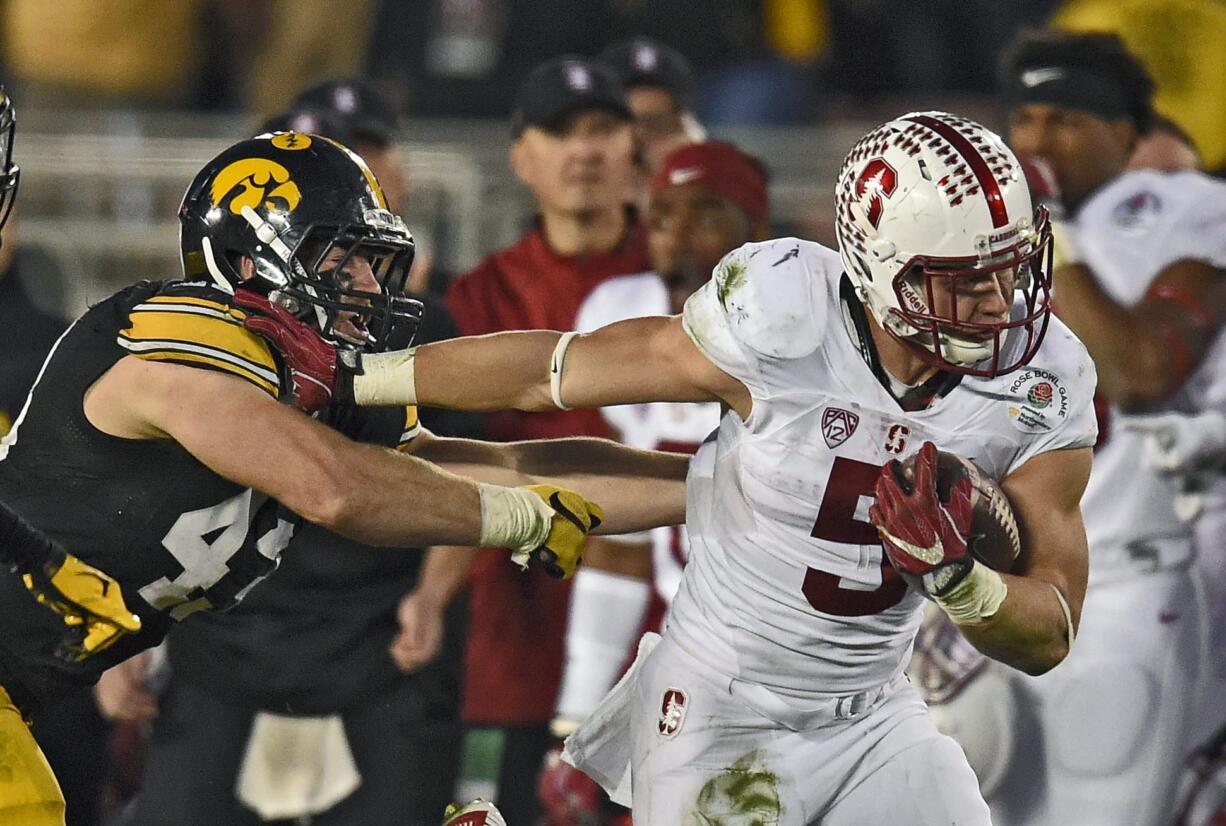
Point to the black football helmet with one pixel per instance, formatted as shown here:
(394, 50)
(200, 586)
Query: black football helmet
(9, 171)
(301, 206)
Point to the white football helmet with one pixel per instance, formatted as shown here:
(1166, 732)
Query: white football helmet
(930, 198)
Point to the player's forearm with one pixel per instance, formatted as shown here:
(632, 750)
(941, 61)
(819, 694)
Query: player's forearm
(390, 499)
(445, 572)
(1132, 357)
(1029, 631)
(638, 489)
(503, 371)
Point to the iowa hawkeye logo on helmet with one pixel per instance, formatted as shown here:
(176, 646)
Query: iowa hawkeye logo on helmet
(255, 182)
(301, 219)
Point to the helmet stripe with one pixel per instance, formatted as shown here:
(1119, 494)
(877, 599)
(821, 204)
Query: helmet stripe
(979, 167)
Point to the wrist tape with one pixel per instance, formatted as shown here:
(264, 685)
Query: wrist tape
(513, 518)
(387, 379)
(976, 598)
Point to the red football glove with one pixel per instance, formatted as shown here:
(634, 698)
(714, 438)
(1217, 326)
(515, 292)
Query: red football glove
(568, 796)
(313, 364)
(924, 536)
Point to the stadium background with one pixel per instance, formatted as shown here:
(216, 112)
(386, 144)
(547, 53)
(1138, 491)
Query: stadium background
(120, 101)
(105, 154)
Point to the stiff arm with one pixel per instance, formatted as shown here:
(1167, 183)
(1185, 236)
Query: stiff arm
(639, 360)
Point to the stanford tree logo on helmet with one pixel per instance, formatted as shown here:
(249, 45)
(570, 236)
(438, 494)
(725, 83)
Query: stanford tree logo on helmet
(931, 200)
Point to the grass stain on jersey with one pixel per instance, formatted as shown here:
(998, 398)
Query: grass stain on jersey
(747, 794)
(729, 277)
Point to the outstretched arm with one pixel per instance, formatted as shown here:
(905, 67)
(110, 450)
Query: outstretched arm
(638, 489)
(638, 360)
(374, 495)
(633, 361)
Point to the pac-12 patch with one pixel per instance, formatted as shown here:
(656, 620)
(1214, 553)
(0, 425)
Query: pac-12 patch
(672, 712)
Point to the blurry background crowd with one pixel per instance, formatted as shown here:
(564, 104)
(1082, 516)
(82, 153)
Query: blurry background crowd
(120, 102)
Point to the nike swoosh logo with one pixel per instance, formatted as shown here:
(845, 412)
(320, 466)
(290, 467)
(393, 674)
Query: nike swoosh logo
(1035, 77)
(929, 556)
(681, 176)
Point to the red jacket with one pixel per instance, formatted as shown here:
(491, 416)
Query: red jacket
(518, 619)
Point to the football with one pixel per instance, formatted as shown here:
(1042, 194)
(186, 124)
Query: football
(995, 538)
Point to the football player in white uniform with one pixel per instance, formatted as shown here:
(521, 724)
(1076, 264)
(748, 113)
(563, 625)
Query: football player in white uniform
(1139, 277)
(776, 694)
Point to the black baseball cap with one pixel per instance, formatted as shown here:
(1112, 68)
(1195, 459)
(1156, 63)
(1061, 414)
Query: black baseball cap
(367, 115)
(564, 85)
(641, 61)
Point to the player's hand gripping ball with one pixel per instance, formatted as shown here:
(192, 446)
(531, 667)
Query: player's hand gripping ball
(937, 514)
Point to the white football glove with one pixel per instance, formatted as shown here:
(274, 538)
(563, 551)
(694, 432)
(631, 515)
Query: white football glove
(1181, 442)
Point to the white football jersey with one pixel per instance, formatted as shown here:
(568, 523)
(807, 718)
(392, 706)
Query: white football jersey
(1128, 232)
(786, 587)
(671, 426)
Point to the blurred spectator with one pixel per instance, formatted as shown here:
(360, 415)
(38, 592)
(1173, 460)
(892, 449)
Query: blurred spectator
(1166, 147)
(755, 61)
(302, 44)
(573, 148)
(1180, 41)
(465, 57)
(103, 53)
(72, 734)
(660, 93)
(350, 653)
(1138, 268)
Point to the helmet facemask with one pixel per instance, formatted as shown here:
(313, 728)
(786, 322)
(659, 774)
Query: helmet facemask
(327, 270)
(10, 174)
(926, 319)
(926, 204)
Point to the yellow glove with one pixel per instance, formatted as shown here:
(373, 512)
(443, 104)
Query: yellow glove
(89, 601)
(574, 518)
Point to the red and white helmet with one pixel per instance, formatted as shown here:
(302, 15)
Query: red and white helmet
(932, 196)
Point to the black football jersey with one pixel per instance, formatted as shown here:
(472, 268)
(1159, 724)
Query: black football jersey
(176, 536)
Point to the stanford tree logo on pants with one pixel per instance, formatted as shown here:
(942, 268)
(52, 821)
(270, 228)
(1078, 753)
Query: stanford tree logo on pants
(672, 712)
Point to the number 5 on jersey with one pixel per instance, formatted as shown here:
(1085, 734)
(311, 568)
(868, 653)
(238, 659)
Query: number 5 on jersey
(836, 522)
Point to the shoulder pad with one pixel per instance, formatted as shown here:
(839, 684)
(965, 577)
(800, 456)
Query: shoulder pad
(773, 295)
(195, 324)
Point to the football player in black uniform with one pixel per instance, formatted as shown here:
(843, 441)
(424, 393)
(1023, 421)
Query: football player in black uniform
(153, 447)
(343, 633)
